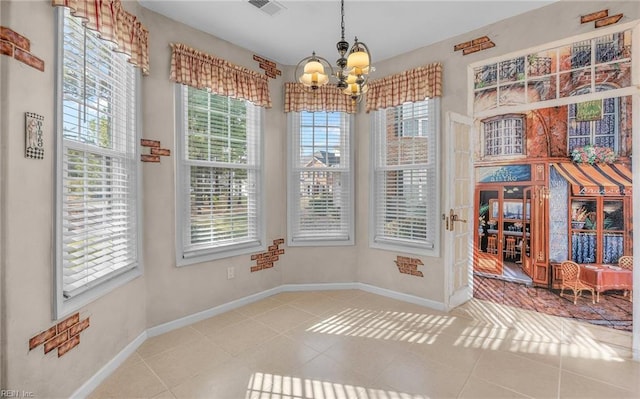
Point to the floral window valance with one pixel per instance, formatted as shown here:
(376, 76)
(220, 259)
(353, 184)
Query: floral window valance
(409, 86)
(327, 98)
(204, 71)
(113, 23)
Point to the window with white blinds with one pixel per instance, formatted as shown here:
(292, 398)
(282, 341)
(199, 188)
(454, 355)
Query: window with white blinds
(97, 179)
(404, 200)
(320, 189)
(219, 176)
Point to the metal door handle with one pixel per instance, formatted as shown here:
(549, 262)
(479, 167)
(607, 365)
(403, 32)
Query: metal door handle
(455, 218)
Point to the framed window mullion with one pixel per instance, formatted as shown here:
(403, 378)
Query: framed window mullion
(220, 178)
(320, 189)
(97, 227)
(404, 180)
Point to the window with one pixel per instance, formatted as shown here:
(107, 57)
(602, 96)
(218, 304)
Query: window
(598, 231)
(320, 179)
(219, 176)
(504, 135)
(405, 187)
(97, 177)
(575, 67)
(601, 132)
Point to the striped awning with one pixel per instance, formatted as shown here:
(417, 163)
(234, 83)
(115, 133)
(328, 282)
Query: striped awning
(598, 179)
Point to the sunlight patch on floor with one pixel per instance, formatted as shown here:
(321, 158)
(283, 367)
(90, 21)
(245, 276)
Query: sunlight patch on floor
(274, 386)
(493, 326)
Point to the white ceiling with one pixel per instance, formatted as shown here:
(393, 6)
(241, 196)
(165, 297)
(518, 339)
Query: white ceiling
(389, 28)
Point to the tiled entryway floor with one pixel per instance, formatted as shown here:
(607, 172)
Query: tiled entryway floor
(354, 344)
(614, 310)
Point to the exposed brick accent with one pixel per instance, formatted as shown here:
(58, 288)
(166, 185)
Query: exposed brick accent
(478, 47)
(475, 45)
(77, 328)
(149, 158)
(42, 337)
(269, 67)
(594, 16)
(160, 151)
(265, 260)
(56, 341)
(154, 152)
(68, 345)
(28, 59)
(67, 338)
(149, 143)
(608, 21)
(6, 48)
(68, 322)
(13, 37)
(600, 18)
(17, 46)
(409, 266)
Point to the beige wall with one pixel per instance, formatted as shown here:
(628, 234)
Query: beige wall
(167, 292)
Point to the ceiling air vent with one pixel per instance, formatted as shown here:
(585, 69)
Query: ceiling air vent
(268, 6)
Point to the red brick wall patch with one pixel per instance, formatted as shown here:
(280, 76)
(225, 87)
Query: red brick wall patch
(6, 48)
(265, 260)
(600, 18)
(14, 37)
(17, 46)
(67, 338)
(475, 45)
(409, 266)
(270, 68)
(155, 152)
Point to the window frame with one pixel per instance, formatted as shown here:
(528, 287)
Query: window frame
(400, 245)
(62, 306)
(592, 126)
(212, 252)
(293, 140)
(502, 119)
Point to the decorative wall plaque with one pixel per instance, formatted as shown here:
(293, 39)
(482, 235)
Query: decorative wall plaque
(34, 142)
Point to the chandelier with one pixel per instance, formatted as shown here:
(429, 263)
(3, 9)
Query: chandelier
(352, 68)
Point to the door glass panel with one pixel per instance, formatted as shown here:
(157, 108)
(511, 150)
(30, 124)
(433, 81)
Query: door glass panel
(584, 245)
(488, 216)
(613, 226)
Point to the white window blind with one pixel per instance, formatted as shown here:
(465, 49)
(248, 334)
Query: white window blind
(404, 190)
(320, 179)
(97, 179)
(220, 178)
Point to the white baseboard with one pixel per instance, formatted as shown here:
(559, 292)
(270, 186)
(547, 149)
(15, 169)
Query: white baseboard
(92, 383)
(114, 363)
(318, 287)
(205, 314)
(403, 297)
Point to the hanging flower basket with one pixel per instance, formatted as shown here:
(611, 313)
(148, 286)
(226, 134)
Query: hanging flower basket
(592, 154)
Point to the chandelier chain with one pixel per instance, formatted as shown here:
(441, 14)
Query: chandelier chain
(342, 15)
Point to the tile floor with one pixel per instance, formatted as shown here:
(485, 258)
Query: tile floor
(354, 344)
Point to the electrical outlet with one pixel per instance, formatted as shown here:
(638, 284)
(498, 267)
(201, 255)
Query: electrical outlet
(231, 272)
